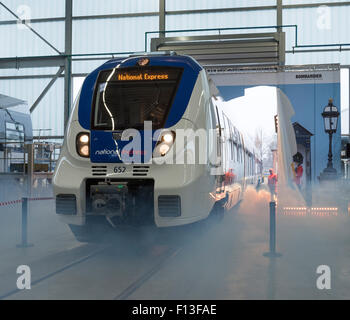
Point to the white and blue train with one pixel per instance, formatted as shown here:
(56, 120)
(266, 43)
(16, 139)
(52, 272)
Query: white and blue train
(97, 175)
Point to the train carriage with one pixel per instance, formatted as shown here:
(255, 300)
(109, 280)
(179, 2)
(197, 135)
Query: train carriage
(134, 151)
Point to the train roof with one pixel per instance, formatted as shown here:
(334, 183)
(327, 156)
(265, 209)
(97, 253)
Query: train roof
(161, 57)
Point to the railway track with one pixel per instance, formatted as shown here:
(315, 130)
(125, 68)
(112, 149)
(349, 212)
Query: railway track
(56, 272)
(139, 282)
(150, 253)
(160, 261)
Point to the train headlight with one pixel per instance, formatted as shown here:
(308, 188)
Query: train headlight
(168, 138)
(83, 144)
(84, 138)
(164, 143)
(163, 149)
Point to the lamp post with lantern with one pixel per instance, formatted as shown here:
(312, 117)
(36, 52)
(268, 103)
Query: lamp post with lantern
(330, 116)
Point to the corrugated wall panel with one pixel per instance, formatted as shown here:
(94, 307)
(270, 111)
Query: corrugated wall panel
(221, 20)
(127, 34)
(22, 42)
(210, 4)
(111, 35)
(49, 113)
(86, 66)
(93, 7)
(313, 31)
(318, 58)
(285, 2)
(27, 71)
(33, 8)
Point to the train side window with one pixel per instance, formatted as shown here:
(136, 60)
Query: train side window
(231, 138)
(233, 150)
(212, 135)
(250, 164)
(247, 157)
(212, 115)
(14, 133)
(236, 152)
(218, 120)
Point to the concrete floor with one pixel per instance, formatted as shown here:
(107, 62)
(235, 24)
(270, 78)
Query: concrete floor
(213, 259)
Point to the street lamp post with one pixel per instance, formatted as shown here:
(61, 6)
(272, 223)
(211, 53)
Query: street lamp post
(330, 116)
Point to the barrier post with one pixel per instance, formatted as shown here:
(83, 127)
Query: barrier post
(272, 253)
(24, 229)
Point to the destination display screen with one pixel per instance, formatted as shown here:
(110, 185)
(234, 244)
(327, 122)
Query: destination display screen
(142, 74)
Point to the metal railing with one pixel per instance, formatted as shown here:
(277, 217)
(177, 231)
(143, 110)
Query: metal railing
(19, 157)
(13, 157)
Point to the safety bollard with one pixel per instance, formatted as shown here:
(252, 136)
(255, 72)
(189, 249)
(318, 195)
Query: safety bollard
(272, 253)
(24, 229)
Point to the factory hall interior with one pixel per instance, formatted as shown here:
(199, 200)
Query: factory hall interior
(174, 150)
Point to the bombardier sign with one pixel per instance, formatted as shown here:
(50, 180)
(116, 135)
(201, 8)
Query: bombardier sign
(310, 76)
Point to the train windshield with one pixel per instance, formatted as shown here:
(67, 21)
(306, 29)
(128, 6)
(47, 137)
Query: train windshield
(128, 97)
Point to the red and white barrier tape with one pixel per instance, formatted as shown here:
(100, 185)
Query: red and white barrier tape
(7, 203)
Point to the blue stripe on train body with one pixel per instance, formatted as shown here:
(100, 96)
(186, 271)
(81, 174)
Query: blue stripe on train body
(103, 147)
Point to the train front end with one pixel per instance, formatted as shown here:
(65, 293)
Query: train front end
(120, 158)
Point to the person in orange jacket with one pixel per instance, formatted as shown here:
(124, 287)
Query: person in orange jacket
(229, 177)
(298, 174)
(298, 171)
(272, 182)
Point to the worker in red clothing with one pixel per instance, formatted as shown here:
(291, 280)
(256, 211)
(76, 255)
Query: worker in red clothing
(298, 159)
(229, 177)
(272, 182)
(298, 174)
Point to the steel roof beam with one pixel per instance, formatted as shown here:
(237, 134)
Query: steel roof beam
(47, 88)
(32, 62)
(30, 28)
